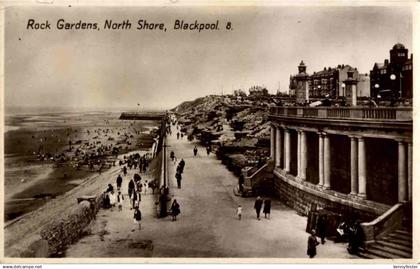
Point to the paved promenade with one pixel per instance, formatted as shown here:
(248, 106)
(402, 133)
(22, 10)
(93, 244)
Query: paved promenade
(207, 226)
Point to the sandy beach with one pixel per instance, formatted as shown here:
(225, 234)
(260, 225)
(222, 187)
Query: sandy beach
(46, 155)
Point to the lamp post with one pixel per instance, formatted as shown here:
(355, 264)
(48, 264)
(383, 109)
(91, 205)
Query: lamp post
(393, 77)
(343, 87)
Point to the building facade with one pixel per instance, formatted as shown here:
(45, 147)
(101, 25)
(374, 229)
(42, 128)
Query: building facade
(393, 79)
(356, 161)
(329, 82)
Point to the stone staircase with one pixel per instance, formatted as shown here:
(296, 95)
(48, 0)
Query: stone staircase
(397, 244)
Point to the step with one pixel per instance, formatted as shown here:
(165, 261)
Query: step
(407, 239)
(366, 255)
(390, 250)
(382, 254)
(397, 241)
(395, 246)
(403, 232)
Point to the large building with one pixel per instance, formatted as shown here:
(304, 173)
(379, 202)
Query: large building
(329, 82)
(355, 161)
(393, 78)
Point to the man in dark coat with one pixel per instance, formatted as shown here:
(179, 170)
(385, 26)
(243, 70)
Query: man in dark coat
(119, 182)
(178, 179)
(131, 186)
(322, 227)
(258, 206)
(312, 243)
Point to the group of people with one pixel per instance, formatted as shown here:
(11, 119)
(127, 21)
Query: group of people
(351, 233)
(112, 198)
(259, 204)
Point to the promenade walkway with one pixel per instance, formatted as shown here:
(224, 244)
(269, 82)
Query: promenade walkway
(207, 226)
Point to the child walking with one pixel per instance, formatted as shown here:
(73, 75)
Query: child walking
(239, 212)
(137, 217)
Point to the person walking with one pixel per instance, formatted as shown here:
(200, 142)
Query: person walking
(267, 208)
(322, 227)
(120, 199)
(178, 179)
(312, 243)
(258, 206)
(175, 210)
(125, 170)
(119, 182)
(195, 150)
(131, 187)
(137, 217)
(239, 212)
(208, 149)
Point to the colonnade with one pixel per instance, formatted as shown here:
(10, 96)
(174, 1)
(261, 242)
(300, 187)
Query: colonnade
(281, 143)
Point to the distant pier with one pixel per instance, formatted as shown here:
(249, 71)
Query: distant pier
(142, 116)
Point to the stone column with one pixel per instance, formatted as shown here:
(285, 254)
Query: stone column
(299, 152)
(362, 168)
(278, 146)
(410, 171)
(321, 160)
(304, 152)
(272, 141)
(353, 165)
(402, 172)
(327, 162)
(286, 150)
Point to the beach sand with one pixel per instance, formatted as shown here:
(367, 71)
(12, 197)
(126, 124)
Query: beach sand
(41, 163)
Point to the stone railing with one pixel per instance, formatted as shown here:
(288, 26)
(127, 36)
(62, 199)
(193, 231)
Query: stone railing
(388, 221)
(376, 113)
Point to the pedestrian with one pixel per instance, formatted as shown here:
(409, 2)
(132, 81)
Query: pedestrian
(208, 150)
(125, 170)
(119, 182)
(172, 155)
(110, 188)
(267, 208)
(177, 135)
(112, 198)
(120, 199)
(312, 243)
(257, 206)
(356, 238)
(106, 203)
(322, 227)
(131, 186)
(175, 210)
(178, 179)
(145, 187)
(134, 200)
(137, 217)
(239, 212)
(195, 150)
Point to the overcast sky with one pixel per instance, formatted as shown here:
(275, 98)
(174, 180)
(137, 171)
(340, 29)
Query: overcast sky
(101, 69)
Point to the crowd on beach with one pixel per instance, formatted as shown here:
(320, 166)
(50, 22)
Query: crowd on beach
(93, 149)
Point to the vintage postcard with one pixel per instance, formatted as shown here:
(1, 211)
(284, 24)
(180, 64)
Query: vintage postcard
(208, 132)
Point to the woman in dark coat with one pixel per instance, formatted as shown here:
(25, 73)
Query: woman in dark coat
(267, 207)
(130, 188)
(312, 243)
(175, 210)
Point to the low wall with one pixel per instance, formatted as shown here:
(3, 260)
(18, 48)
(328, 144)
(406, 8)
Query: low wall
(302, 201)
(67, 230)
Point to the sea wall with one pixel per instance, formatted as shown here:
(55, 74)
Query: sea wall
(68, 229)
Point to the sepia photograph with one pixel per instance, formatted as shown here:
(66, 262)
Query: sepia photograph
(191, 132)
